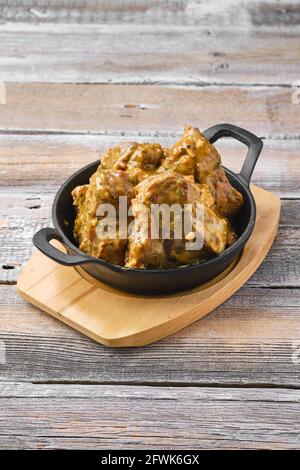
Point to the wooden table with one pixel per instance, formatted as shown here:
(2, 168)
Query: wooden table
(79, 80)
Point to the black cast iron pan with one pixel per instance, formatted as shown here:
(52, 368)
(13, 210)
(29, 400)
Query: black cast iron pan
(152, 281)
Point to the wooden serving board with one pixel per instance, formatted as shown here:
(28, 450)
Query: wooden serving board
(117, 318)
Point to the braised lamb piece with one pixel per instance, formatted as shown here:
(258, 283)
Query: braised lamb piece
(197, 158)
(140, 161)
(105, 187)
(170, 188)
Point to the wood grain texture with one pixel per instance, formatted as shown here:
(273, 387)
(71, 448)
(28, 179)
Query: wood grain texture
(250, 340)
(122, 417)
(253, 13)
(74, 108)
(185, 55)
(174, 41)
(35, 161)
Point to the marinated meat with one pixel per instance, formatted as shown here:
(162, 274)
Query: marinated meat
(138, 160)
(197, 158)
(170, 188)
(144, 251)
(105, 187)
(149, 175)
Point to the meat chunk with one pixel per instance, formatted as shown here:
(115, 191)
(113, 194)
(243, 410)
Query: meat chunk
(172, 189)
(194, 156)
(138, 160)
(144, 251)
(180, 159)
(105, 188)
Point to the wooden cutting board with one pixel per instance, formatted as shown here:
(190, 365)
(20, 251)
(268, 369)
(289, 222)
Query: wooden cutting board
(117, 318)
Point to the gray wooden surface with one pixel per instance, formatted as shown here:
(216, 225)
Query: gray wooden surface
(71, 69)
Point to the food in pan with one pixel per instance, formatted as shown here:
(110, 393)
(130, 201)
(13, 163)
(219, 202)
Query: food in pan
(105, 187)
(195, 157)
(144, 175)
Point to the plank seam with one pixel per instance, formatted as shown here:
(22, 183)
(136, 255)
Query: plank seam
(131, 133)
(170, 384)
(164, 83)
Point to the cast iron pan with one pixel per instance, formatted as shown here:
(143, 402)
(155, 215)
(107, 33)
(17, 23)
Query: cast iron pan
(152, 281)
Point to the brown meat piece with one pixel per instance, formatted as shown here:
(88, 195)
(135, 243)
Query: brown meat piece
(138, 160)
(194, 156)
(180, 161)
(144, 251)
(170, 188)
(105, 187)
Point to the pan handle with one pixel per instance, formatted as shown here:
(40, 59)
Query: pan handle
(41, 240)
(254, 144)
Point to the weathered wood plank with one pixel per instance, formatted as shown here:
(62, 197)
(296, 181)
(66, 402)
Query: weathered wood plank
(252, 339)
(149, 53)
(188, 12)
(35, 416)
(47, 160)
(24, 211)
(74, 108)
